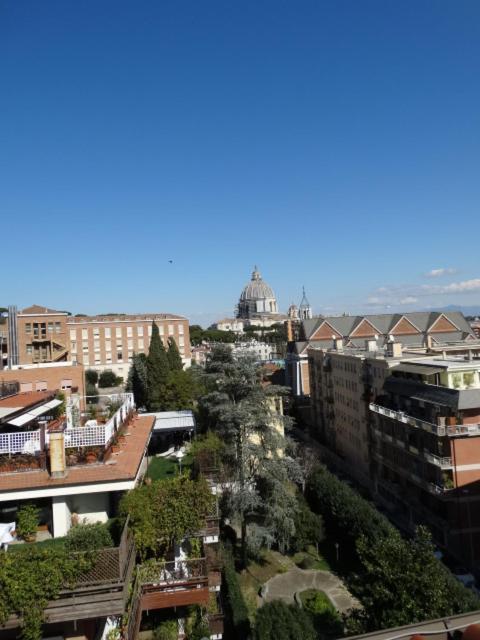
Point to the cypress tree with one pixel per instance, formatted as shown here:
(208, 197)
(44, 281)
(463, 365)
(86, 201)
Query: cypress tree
(174, 357)
(158, 370)
(137, 379)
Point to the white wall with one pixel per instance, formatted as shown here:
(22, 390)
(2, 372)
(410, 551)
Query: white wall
(61, 516)
(90, 507)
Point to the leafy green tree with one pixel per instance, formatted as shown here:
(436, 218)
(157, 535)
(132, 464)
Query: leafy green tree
(91, 376)
(166, 511)
(91, 392)
(236, 607)
(174, 357)
(108, 379)
(86, 537)
(158, 369)
(237, 407)
(279, 621)
(181, 391)
(137, 382)
(403, 582)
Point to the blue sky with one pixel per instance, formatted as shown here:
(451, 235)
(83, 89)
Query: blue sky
(335, 144)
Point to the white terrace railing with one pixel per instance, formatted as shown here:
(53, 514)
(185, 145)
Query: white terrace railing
(97, 435)
(23, 442)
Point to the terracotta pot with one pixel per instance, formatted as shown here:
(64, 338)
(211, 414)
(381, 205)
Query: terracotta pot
(31, 538)
(115, 448)
(91, 458)
(122, 439)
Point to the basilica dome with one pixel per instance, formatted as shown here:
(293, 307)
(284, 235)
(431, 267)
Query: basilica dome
(256, 289)
(257, 299)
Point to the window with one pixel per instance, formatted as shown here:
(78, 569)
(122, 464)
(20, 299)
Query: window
(108, 332)
(96, 345)
(149, 329)
(119, 343)
(139, 331)
(66, 384)
(25, 386)
(58, 327)
(180, 329)
(140, 343)
(130, 344)
(119, 356)
(181, 341)
(161, 329)
(118, 332)
(28, 328)
(85, 360)
(50, 327)
(74, 347)
(129, 332)
(170, 329)
(109, 358)
(96, 332)
(73, 334)
(108, 345)
(97, 360)
(84, 334)
(29, 349)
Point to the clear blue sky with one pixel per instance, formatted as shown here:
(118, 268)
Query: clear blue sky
(335, 144)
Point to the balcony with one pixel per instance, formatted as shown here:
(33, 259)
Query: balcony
(99, 593)
(439, 430)
(439, 461)
(173, 584)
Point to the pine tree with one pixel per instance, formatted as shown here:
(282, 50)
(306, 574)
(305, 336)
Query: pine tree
(158, 370)
(174, 358)
(237, 408)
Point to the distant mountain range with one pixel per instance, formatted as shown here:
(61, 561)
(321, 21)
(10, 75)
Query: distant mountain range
(467, 311)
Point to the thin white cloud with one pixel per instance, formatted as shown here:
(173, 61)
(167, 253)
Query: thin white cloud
(461, 287)
(438, 273)
(408, 300)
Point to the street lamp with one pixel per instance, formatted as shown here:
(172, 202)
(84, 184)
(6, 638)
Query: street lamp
(179, 455)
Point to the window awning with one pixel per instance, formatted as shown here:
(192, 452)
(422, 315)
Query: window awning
(25, 418)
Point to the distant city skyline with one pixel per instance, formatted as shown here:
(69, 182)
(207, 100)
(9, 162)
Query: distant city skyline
(152, 153)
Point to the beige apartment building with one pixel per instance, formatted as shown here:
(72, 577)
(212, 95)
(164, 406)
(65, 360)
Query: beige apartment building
(39, 334)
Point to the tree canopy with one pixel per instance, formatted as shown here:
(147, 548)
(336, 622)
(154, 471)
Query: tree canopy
(279, 621)
(174, 357)
(237, 408)
(166, 511)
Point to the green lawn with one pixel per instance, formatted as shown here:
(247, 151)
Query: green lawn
(309, 559)
(160, 468)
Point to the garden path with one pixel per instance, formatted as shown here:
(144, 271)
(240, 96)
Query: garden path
(283, 586)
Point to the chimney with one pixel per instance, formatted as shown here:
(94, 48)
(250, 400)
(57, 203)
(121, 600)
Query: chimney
(394, 349)
(58, 467)
(429, 341)
(337, 343)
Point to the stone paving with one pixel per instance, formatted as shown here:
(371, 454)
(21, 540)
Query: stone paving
(283, 586)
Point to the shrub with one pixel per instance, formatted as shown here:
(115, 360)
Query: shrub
(279, 621)
(91, 390)
(91, 376)
(27, 520)
(235, 602)
(308, 527)
(87, 537)
(108, 379)
(166, 630)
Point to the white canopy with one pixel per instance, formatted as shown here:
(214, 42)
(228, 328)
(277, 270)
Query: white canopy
(34, 413)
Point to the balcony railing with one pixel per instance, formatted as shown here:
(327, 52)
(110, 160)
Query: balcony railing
(439, 430)
(33, 442)
(173, 574)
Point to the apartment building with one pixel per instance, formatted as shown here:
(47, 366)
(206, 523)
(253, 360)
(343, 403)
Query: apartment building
(407, 426)
(418, 331)
(38, 334)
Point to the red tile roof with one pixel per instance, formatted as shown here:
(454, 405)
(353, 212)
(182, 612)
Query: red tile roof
(26, 399)
(121, 467)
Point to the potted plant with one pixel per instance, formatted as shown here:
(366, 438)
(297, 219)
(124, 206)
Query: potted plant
(91, 456)
(27, 522)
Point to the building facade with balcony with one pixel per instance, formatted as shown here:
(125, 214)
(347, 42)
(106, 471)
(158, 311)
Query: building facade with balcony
(41, 335)
(407, 426)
